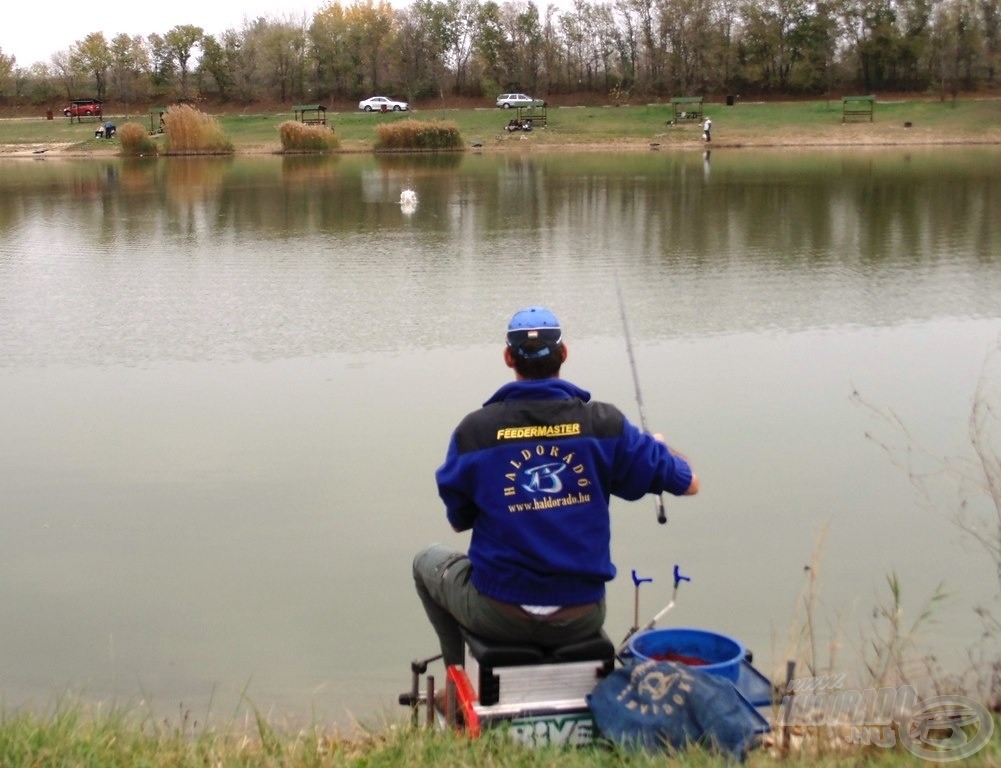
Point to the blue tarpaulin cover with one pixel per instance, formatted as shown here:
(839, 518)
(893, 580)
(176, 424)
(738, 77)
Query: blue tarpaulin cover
(660, 704)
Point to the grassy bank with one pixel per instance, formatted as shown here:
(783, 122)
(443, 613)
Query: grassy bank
(635, 126)
(70, 737)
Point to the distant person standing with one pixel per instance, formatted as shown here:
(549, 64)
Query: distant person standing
(707, 126)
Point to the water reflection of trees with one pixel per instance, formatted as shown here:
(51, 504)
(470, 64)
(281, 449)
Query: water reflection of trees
(196, 179)
(297, 169)
(862, 209)
(420, 162)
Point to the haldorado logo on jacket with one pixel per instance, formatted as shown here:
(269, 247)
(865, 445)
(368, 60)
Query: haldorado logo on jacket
(551, 474)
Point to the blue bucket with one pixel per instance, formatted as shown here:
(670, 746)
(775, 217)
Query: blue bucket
(708, 651)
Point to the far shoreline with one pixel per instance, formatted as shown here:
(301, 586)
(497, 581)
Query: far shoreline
(70, 151)
(816, 125)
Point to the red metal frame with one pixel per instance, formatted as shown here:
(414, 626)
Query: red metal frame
(465, 698)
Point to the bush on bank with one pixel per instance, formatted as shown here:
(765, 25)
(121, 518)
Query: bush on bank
(189, 131)
(418, 134)
(298, 137)
(135, 141)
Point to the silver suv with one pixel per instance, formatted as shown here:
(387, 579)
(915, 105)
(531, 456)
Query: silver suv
(508, 100)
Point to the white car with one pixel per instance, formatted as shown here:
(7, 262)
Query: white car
(382, 104)
(508, 100)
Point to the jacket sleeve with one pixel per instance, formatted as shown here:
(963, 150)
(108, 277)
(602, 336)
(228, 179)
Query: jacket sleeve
(646, 465)
(460, 508)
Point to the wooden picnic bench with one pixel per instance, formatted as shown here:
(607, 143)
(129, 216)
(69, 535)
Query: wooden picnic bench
(310, 114)
(535, 114)
(857, 108)
(687, 108)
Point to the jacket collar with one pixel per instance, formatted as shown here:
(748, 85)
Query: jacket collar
(539, 389)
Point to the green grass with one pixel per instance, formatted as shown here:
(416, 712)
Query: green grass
(72, 736)
(746, 124)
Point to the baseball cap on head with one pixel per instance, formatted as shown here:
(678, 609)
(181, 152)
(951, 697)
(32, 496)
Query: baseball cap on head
(533, 332)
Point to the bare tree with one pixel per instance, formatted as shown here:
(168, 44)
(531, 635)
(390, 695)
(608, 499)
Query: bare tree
(40, 83)
(423, 45)
(6, 73)
(129, 67)
(990, 18)
(246, 49)
(284, 47)
(65, 69)
(161, 59)
(93, 56)
(215, 68)
(180, 41)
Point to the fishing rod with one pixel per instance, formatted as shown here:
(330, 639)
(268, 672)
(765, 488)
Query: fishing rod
(661, 514)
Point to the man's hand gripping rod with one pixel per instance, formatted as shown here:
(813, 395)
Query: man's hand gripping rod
(661, 514)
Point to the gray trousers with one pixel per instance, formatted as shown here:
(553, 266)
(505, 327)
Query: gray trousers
(442, 577)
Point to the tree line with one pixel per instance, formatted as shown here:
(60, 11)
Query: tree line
(613, 50)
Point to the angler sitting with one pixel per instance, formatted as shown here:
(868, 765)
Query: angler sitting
(530, 474)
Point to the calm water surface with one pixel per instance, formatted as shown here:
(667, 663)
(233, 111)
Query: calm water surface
(225, 386)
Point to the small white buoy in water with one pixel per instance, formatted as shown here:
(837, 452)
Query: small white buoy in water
(408, 201)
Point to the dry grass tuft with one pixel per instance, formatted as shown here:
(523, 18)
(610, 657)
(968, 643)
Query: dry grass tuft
(418, 134)
(135, 141)
(298, 137)
(192, 132)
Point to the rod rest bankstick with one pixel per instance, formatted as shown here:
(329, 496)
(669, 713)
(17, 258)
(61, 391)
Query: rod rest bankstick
(637, 581)
(636, 629)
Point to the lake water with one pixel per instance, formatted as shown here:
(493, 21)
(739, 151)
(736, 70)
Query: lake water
(226, 384)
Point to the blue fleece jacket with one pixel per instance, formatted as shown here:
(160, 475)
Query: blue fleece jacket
(531, 473)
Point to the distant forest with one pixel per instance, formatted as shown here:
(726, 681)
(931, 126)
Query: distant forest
(614, 51)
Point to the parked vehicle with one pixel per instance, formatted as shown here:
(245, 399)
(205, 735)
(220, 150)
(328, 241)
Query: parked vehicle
(383, 104)
(83, 108)
(508, 100)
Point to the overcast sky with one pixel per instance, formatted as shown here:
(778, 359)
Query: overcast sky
(32, 33)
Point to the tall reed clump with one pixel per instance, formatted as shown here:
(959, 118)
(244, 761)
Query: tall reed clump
(192, 132)
(418, 135)
(298, 137)
(824, 706)
(136, 142)
(966, 490)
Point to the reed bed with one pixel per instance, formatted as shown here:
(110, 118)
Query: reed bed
(191, 132)
(423, 135)
(299, 137)
(135, 141)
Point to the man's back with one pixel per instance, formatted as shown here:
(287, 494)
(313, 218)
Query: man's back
(530, 474)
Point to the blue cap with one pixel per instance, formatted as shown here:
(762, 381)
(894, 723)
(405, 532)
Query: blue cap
(533, 332)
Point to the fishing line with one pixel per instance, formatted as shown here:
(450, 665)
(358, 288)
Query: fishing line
(661, 514)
